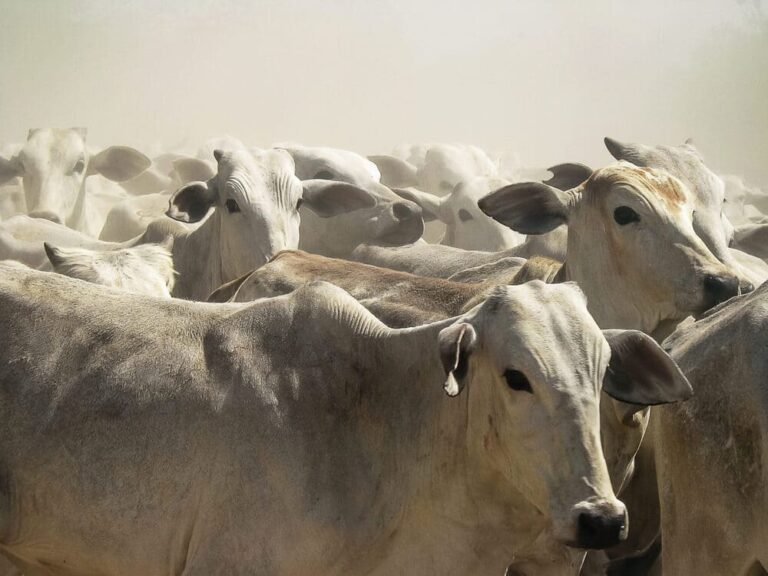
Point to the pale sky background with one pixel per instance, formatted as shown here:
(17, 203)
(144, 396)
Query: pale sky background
(542, 79)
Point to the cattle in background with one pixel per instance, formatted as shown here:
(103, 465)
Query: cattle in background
(145, 269)
(54, 165)
(293, 460)
(712, 450)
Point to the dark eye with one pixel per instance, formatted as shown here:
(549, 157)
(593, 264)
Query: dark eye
(232, 206)
(79, 167)
(464, 215)
(517, 381)
(625, 215)
(299, 202)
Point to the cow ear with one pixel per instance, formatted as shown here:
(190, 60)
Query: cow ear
(624, 151)
(118, 163)
(429, 203)
(191, 202)
(528, 207)
(569, 175)
(456, 344)
(328, 198)
(640, 372)
(193, 170)
(9, 169)
(54, 254)
(395, 173)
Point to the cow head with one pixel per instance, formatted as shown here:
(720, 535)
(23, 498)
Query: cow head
(632, 246)
(707, 191)
(534, 363)
(54, 164)
(465, 224)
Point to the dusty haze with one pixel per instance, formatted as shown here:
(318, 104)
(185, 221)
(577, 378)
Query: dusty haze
(542, 80)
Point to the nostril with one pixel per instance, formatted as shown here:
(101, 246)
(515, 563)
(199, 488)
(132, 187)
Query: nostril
(598, 531)
(403, 211)
(746, 287)
(721, 288)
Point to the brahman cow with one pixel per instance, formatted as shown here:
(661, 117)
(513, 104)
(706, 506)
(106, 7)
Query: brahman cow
(144, 269)
(54, 165)
(708, 194)
(160, 436)
(712, 451)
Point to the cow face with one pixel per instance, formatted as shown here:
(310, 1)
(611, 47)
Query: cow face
(54, 164)
(632, 246)
(707, 189)
(465, 224)
(255, 200)
(338, 217)
(534, 362)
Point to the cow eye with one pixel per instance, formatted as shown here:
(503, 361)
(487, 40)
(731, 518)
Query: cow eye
(232, 206)
(625, 215)
(464, 215)
(79, 167)
(517, 381)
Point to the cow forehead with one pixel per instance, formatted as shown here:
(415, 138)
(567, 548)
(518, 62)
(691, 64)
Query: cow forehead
(656, 186)
(54, 143)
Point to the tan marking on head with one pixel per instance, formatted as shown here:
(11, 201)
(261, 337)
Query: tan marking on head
(649, 182)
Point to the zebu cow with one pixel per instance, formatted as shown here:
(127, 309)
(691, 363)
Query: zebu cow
(201, 439)
(708, 195)
(712, 452)
(381, 218)
(144, 269)
(244, 215)
(54, 165)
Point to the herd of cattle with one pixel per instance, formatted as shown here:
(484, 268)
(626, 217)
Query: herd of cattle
(263, 361)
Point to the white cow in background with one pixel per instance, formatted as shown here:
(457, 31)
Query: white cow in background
(145, 269)
(307, 437)
(54, 165)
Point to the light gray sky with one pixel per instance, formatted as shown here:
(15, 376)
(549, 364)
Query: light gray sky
(542, 79)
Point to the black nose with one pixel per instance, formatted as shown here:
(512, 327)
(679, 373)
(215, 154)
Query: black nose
(599, 530)
(720, 288)
(405, 210)
(746, 287)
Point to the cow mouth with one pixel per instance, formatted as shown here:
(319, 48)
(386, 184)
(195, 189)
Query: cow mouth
(401, 233)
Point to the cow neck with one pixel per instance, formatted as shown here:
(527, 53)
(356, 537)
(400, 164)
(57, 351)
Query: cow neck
(197, 259)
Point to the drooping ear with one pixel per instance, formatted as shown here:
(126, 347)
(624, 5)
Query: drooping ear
(568, 175)
(193, 170)
(431, 205)
(640, 372)
(456, 344)
(623, 150)
(9, 169)
(527, 207)
(55, 256)
(192, 201)
(118, 163)
(328, 198)
(395, 173)
(148, 182)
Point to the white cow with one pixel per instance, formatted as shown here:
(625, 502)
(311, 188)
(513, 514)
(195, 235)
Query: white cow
(144, 269)
(267, 438)
(240, 218)
(712, 452)
(54, 165)
(708, 194)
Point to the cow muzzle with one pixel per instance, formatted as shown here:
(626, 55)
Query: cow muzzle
(718, 289)
(600, 525)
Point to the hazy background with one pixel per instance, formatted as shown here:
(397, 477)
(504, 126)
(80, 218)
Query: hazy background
(542, 79)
